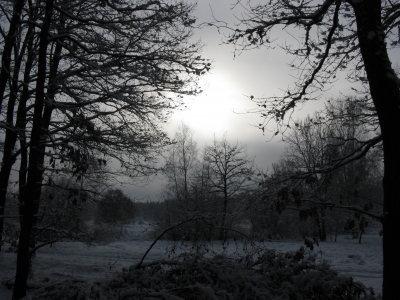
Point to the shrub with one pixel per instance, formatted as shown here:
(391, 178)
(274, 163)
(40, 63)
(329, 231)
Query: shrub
(268, 275)
(115, 208)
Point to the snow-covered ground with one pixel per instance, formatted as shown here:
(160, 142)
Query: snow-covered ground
(74, 260)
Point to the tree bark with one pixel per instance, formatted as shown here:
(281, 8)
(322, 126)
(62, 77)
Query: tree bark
(9, 144)
(11, 135)
(20, 125)
(35, 166)
(9, 43)
(384, 88)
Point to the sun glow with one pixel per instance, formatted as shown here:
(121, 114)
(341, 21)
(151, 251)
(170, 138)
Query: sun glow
(214, 110)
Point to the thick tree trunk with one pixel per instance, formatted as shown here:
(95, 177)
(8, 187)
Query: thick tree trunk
(9, 144)
(48, 109)
(318, 220)
(384, 88)
(21, 121)
(9, 156)
(7, 163)
(35, 166)
(10, 138)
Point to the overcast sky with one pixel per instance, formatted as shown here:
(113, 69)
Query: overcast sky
(220, 108)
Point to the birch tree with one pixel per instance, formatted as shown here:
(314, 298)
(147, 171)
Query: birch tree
(187, 191)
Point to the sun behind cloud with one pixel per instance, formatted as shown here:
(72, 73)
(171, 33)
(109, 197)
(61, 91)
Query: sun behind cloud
(213, 111)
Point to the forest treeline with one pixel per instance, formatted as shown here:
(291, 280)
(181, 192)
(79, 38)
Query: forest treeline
(227, 195)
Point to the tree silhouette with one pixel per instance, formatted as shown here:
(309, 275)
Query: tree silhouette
(335, 35)
(89, 79)
(229, 172)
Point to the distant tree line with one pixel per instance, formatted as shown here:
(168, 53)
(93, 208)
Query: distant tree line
(221, 188)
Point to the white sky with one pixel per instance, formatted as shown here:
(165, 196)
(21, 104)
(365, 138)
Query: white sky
(260, 72)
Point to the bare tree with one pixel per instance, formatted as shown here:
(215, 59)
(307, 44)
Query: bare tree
(94, 76)
(336, 35)
(20, 53)
(9, 41)
(181, 167)
(187, 191)
(319, 141)
(229, 171)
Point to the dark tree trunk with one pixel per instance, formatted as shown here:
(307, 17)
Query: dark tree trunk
(9, 144)
(318, 222)
(384, 88)
(9, 43)
(35, 166)
(321, 215)
(222, 234)
(337, 226)
(48, 109)
(11, 136)
(9, 156)
(21, 123)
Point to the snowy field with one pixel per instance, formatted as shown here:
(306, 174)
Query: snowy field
(74, 260)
